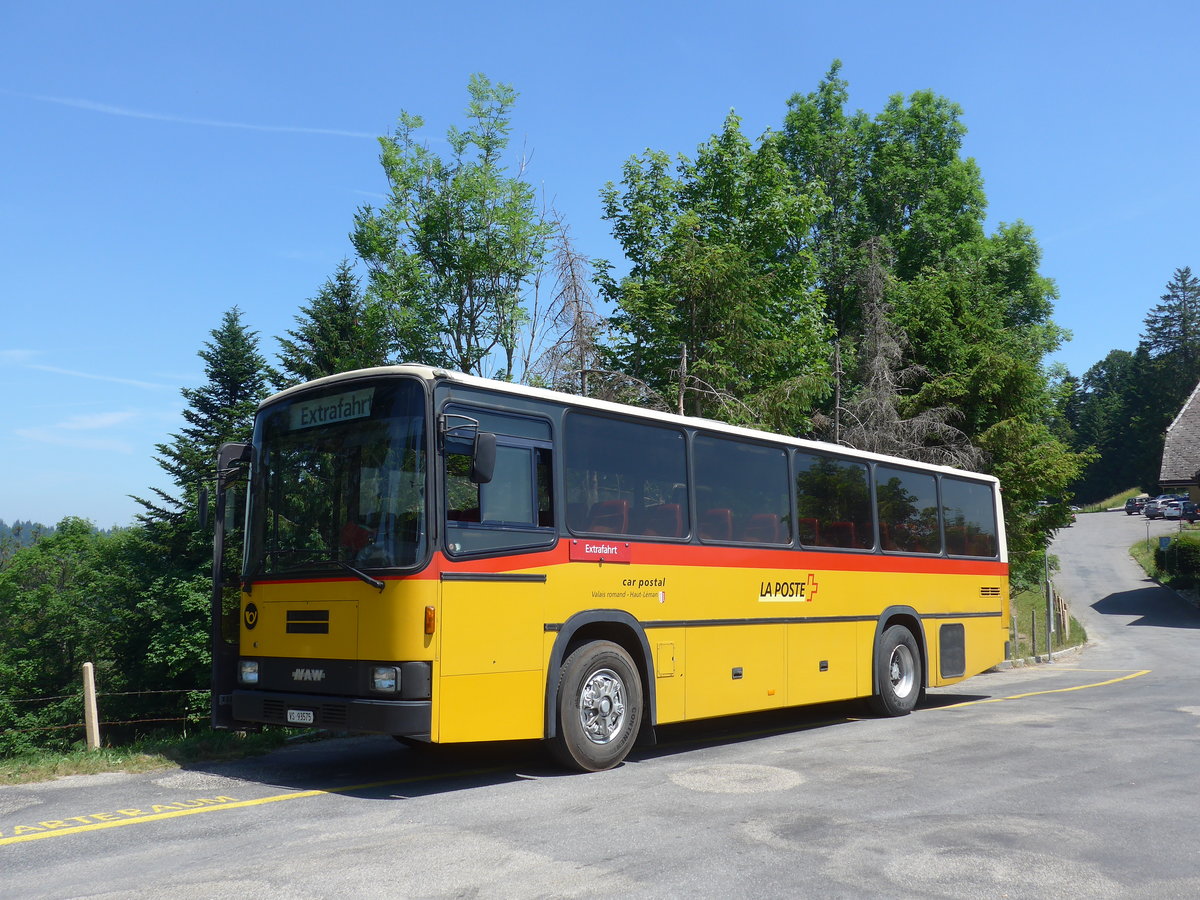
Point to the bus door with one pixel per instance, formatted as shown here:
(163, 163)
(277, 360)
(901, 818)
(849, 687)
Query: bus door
(493, 592)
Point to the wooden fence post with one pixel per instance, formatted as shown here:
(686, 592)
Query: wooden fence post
(91, 717)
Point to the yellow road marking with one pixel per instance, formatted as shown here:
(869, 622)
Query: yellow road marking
(236, 804)
(299, 795)
(1078, 687)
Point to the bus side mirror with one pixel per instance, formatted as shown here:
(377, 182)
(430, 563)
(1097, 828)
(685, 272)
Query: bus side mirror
(483, 458)
(232, 460)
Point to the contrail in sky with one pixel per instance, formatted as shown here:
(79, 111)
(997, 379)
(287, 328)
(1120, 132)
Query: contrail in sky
(183, 120)
(113, 378)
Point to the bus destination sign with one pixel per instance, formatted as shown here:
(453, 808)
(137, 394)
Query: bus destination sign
(331, 410)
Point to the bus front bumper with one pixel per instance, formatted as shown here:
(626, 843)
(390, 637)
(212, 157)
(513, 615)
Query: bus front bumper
(402, 717)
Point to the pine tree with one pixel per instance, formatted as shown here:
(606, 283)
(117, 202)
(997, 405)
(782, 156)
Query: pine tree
(220, 410)
(338, 330)
(1172, 333)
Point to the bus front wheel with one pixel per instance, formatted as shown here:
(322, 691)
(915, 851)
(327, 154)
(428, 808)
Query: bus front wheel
(897, 673)
(599, 707)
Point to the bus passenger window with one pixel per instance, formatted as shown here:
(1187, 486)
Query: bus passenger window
(625, 477)
(908, 510)
(833, 502)
(969, 511)
(743, 488)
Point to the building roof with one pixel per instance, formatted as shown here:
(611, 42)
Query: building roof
(1181, 451)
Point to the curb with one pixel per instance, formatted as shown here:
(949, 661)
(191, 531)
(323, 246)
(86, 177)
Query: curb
(1041, 659)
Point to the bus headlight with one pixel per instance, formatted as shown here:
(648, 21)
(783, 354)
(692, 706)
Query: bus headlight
(248, 671)
(385, 679)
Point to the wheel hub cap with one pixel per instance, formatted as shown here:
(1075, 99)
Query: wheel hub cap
(602, 706)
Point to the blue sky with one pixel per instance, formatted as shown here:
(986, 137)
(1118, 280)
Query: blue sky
(162, 162)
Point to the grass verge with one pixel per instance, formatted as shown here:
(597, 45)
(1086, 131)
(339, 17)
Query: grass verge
(1113, 501)
(1029, 615)
(1143, 554)
(147, 755)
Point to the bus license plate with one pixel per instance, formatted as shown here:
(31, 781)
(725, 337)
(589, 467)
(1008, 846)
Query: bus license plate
(300, 716)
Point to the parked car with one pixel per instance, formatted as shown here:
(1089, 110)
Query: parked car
(1172, 509)
(1187, 510)
(1154, 508)
(1134, 505)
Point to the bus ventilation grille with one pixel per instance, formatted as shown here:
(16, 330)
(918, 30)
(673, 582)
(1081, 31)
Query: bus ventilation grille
(274, 711)
(989, 592)
(333, 716)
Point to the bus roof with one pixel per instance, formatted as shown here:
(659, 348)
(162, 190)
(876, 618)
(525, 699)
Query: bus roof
(433, 374)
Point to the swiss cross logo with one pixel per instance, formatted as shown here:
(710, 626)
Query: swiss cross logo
(811, 586)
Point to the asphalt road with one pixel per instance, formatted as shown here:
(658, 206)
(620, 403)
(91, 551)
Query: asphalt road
(1072, 779)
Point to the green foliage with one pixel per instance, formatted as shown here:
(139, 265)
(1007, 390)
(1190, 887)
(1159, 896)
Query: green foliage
(1172, 332)
(1180, 562)
(454, 250)
(718, 314)
(1032, 465)
(968, 314)
(17, 535)
(338, 330)
(110, 599)
(220, 410)
(842, 264)
(134, 602)
(1125, 402)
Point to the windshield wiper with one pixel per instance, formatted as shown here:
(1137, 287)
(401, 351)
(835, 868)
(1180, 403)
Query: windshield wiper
(308, 558)
(361, 575)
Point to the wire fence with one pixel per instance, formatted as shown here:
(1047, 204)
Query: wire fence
(79, 698)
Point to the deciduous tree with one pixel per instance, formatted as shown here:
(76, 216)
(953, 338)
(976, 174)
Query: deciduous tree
(718, 314)
(453, 251)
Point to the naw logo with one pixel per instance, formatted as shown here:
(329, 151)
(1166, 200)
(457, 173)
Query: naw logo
(308, 674)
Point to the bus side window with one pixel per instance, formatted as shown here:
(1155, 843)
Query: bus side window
(630, 477)
(745, 489)
(969, 513)
(833, 502)
(908, 510)
(515, 509)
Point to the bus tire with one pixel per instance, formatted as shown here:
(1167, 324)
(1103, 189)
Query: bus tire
(898, 680)
(599, 707)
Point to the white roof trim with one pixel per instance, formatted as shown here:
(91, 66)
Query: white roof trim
(431, 374)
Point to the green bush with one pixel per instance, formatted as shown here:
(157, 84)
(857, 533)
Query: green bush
(1180, 562)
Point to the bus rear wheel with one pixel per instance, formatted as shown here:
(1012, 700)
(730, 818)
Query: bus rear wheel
(897, 673)
(599, 707)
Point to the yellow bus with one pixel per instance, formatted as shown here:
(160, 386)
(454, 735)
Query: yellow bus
(446, 558)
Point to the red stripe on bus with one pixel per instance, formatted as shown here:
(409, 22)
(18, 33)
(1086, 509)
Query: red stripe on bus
(704, 556)
(645, 554)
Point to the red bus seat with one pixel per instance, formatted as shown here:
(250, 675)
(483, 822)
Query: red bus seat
(716, 525)
(609, 517)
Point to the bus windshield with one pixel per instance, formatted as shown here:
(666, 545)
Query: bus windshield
(339, 480)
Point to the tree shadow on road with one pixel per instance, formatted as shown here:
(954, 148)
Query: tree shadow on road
(1153, 605)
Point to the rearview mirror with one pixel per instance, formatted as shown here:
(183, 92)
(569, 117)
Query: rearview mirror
(483, 457)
